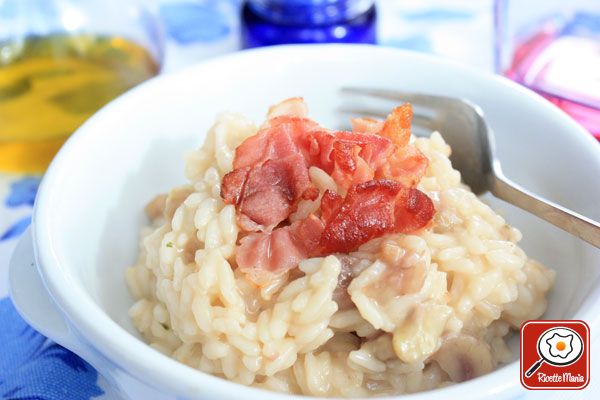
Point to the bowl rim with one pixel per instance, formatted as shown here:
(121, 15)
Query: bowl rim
(151, 366)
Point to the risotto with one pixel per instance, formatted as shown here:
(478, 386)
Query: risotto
(308, 261)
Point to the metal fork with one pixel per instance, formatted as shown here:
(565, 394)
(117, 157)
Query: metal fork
(473, 154)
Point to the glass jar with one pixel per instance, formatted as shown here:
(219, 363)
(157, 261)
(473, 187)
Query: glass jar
(60, 61)
(272, 22)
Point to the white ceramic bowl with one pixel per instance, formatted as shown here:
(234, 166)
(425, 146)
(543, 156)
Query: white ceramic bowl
(89, 207)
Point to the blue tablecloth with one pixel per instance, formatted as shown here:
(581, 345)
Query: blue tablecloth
(32, 367)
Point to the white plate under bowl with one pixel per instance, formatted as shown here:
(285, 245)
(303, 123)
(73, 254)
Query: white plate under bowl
(89, 207)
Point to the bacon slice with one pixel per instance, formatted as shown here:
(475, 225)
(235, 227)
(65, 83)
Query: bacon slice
(375, 169)
(414, 210)
(277, 139)
(365, 213)
(292, 107)
(270, 192)
(397, 125)
(366, 125)
(374, 149)
(270, 175)
(406, 164)
(263, 255)
(349, 167)
(232, 185)
(371, 209)
(349, 157)
(270, 171)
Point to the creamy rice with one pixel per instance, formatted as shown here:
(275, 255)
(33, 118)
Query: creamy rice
(459, 288)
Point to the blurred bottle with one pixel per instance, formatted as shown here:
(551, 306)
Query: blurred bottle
(271, 22)
(60, 61)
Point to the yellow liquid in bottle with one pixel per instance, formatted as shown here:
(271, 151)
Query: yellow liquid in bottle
(49, 85)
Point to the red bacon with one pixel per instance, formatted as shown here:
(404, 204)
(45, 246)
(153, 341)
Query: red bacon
(406, 164)
(396, 127)
(276, 140)
(263, 255)
(349, 157)
(374, 166)
(369, 210)
(366, 125)
(270, 175)
(270, 171)
(414, 210)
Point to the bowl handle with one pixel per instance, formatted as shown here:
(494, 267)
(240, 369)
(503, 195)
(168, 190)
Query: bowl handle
(32, 300)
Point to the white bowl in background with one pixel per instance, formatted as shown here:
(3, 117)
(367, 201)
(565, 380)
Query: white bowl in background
(88, 211)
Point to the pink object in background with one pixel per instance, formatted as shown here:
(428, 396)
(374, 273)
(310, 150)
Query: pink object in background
(556, 54)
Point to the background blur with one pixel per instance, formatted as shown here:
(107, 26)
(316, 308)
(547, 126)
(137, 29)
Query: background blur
(172, 34)
(459, 29)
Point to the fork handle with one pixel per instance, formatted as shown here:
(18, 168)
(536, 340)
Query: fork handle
(570, 221)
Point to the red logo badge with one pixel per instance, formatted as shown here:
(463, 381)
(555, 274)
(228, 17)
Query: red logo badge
(555, 354)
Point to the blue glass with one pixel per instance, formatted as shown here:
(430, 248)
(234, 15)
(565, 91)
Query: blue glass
(272, 22)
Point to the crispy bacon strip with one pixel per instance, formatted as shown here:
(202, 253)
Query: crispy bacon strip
(397, 125)
(349, 157)
(369, 210)
(406, 164)
(366, 125)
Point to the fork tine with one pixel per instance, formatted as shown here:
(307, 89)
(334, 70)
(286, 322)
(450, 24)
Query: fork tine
(418, 99)
(420, 119)
(356, 112)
